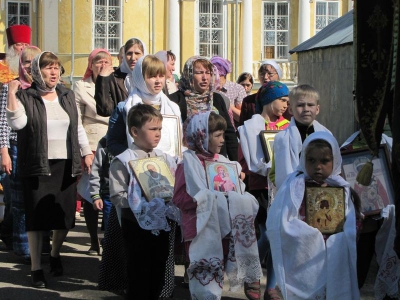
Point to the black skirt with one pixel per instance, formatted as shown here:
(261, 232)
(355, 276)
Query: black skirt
(50, 200)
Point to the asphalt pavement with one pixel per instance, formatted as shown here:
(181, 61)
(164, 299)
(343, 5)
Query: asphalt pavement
(81, 273)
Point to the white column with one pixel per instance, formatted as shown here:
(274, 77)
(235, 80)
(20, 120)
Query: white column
(50, 26)
(247, 34)
(350, 5)
(304, 20)
(174, 39)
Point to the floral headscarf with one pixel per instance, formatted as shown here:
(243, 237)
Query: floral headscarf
(24, 78)
(37, 75)
(269, 92)
(196, 102)
(89, 71)
(196, 135)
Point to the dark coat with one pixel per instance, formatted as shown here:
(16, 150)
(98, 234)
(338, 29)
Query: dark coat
(32, 139)
(230, 147)
(109, 91)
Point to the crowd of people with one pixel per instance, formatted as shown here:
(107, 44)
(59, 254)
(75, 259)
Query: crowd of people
(178, 162)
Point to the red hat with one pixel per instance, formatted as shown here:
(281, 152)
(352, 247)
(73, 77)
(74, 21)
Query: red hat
(18, 34)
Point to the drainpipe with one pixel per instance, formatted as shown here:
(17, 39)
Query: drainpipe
(153, 46)
(236, 41)
(71, 75)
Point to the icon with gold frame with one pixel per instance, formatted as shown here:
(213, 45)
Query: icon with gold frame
(325, 208)
(267, 142)
(154, 177)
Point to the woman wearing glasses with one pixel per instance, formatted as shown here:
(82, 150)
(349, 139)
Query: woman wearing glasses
(196, 94)
(268, 71)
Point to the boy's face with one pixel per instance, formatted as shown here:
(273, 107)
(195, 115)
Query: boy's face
(319, 164)
(216, 141)
(148, 136)
(279, 106)
(304, 110)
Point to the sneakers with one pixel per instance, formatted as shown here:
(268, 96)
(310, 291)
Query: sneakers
(78, 216)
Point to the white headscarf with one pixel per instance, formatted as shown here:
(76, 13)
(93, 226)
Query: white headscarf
(306, 267)
(125, 68)
(274, 64)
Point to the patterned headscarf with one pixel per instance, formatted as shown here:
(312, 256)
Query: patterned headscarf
(223, 65)
(37, 75)
(24, 78)
(194, 101)
(269, 92)
(195, 135)
(89, 71)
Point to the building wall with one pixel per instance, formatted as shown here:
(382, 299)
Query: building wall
(330, 71)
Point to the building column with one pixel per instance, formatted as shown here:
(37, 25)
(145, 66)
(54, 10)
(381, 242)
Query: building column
(174, 39)
(304, 21)
(247, 37)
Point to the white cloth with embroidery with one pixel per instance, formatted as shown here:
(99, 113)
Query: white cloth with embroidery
(305, 266)
(150, 215)
(387, 279)
(214, 222)
(251, 145)
(287, 148)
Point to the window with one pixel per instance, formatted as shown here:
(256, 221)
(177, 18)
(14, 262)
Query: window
(326, 13)
(275, 30)
(18, 13)
(107, 25)
(211, 32)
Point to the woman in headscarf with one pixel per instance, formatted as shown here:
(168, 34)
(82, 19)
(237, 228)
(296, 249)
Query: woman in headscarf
(112, 86)
(268, 71)
(168, 58)
(96, 127)
(8, 144)
(51, 143)
(196, 94)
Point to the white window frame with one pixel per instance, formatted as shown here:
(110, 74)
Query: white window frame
(327, 14)
(276, 31)
(19, 16)
(94, 22)
(224, 27)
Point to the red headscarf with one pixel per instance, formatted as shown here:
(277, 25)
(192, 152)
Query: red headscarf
(89, 71)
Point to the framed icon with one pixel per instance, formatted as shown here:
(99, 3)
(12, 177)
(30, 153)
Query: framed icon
(325, 208)
(171, 137)
(222, 176)
(380, 192)
(267, 142)
(154, 177)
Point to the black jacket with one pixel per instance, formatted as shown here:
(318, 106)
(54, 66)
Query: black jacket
(109, 91)
(230, 147)
(32, 139)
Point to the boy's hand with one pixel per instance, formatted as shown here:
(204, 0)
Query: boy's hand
(88, 162)
(98, 204)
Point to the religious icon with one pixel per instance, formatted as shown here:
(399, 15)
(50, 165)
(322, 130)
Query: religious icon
(222, 177)
(325, 208)
(154, 177)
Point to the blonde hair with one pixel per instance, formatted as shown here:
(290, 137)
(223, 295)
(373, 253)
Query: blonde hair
(101, 55)
(152, 66)
(29, 51)
(303, 91)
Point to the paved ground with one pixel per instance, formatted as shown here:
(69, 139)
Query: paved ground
(80, 275)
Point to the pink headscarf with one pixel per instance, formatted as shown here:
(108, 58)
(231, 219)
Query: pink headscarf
(22, 72)
(89, 71)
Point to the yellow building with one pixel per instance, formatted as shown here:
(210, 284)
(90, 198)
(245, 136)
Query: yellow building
(246, 32)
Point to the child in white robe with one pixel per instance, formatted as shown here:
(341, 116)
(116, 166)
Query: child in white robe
(308, 264)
